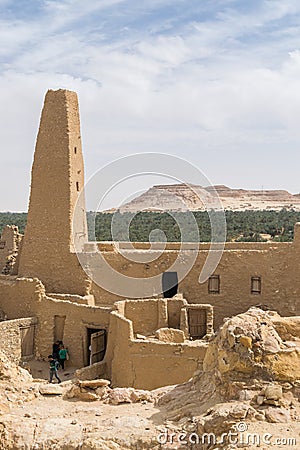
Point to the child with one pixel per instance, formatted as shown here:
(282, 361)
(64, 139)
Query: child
(63, 355)
(53, 368)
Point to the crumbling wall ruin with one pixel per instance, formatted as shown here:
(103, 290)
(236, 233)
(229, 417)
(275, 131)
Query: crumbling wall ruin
(148, 362)
(25, 297)
(14, 339)
(10, 243)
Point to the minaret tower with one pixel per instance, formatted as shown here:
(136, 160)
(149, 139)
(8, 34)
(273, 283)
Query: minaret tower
(57, 180)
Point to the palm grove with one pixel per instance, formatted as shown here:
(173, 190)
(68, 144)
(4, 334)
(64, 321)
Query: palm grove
(243, 226)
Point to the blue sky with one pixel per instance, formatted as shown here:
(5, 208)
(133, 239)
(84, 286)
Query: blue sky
(215, 82)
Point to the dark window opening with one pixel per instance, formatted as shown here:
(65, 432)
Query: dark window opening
(255, 285)
(214, 284)
(169, 284)
(77, 186)
(75, 150)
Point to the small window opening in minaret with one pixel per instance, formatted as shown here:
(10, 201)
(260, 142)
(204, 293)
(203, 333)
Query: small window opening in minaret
(75, 150)
(77, 186)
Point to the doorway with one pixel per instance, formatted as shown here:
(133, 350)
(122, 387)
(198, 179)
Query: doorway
(59, 326)
(169, 284)
(96, 343)
(197, 323)
(27, 340)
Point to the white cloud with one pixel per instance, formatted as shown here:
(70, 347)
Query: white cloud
(214, 89)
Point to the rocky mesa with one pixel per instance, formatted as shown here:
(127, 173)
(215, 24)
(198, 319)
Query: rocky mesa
(182, 197)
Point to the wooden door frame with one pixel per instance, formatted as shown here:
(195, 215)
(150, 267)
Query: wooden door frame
(101, 333)
(184, 318)
(86, 340)
(200, 327)
(32, 328)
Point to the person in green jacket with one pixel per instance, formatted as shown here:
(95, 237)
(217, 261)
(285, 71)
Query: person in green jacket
(53, 366)
(62, 356)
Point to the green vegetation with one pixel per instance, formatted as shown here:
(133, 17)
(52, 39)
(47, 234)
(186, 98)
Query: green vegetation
(8, 218)
(243, 226)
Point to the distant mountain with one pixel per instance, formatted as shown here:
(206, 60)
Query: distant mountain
(181, 197)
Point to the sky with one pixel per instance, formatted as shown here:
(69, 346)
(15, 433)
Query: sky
(216, 82)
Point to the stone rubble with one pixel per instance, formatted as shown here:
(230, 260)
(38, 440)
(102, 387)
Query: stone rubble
(92, 390)
(240, 380)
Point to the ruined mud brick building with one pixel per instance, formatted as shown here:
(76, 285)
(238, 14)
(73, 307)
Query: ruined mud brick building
(46, 295)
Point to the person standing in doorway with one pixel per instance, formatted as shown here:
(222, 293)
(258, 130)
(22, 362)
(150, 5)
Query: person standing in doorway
(62, 356)
(55, 349)
(53, 366)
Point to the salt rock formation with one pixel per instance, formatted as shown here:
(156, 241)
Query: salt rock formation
(250, 372)
(256, 344)
(15, 384)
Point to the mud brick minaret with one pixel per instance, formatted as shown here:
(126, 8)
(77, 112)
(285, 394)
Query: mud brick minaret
(57, 180)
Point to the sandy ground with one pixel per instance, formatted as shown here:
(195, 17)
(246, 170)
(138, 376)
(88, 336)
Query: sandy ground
(52, 421)
(52, 417)
(128, 424)
(40, 370)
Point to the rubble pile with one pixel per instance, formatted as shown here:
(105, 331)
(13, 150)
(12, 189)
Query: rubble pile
(250, 373)
(16, 384)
